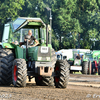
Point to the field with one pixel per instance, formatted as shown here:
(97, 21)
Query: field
(80, 87)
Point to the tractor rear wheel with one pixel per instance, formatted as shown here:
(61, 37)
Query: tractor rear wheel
(99, 70)
(19, 73)
(62, 73)
(93, 68)
(85, 67)
(6, 62)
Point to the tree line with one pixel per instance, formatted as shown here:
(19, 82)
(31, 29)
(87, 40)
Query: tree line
(75, 23)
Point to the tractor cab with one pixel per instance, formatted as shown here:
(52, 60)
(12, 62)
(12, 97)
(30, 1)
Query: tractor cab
(21, 26)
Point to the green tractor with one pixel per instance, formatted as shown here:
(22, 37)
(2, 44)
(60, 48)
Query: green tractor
(78, 64)
(19, 61)
(93, 60)
(88, 64)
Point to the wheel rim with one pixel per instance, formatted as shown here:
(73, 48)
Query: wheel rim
(57, 70)
(15, 76)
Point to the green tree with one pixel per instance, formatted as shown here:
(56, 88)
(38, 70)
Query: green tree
(76, 16)
(77, 21)
(10, 9)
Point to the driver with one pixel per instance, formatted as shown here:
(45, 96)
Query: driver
(78, 56)
(31, 39)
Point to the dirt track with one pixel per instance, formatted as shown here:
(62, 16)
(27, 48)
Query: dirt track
(33, 92)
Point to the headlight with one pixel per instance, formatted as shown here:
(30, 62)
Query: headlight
(48, 58)
(39, 58)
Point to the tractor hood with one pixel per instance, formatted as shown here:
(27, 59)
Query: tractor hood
(23, 21)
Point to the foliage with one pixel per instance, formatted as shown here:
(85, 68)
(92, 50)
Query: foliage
(9, 9)
(75, 23)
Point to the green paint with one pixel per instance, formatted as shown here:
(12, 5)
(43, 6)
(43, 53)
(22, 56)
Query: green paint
(8, 45)
(92, 56)
(19, 52)
(32, 52)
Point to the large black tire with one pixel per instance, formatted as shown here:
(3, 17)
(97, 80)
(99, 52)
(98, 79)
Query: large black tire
(47, 81)
(62, 72)
(6, 62)
(19, 73)
(44, 81)
(85, 67)
(93, 68)
(99, 70)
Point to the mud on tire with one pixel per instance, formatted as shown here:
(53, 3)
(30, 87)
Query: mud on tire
(6, 62)
(62, 72)
(19, 73)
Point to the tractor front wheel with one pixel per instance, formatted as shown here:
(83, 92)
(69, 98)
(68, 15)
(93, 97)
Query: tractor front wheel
(19, 73)
(62, 73)
(44, 81)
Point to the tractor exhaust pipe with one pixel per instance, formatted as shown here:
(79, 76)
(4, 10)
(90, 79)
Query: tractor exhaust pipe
(27, 37)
